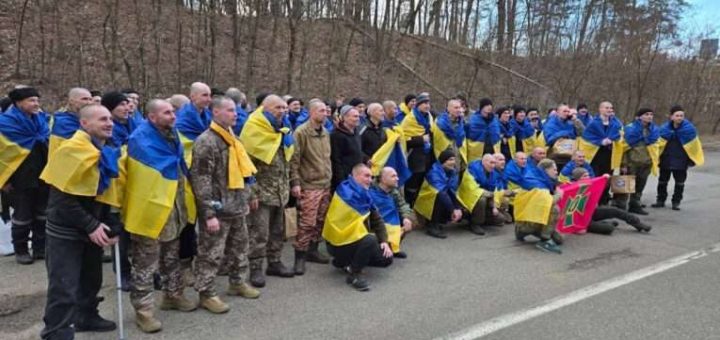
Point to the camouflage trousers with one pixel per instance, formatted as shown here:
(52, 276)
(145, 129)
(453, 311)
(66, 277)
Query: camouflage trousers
(543, 231)
(266, 228)
(482, 213)
(149, 256)
(228, 246)
(313, 206)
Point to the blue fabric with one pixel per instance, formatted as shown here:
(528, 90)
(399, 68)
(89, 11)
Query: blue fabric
(385, 204)
(297, 119)
(514, 173)
(355, 196)
(242, 117)
(108, 166)
(507, 130)
(191, 123)
(570, 166)
(399, 116)
(23, 130)
(586, 119)
(287, 139)
(442, 179)
(486, 181)
(480, 130)
(538, 179)
(685, 133)
(148, 146)
(522, 130)
(596, 131)
(121, 132)
(398, 161)
(456, 134)
(634, 133)
(65, 124)
(500, 182)
(424, 121)
(556, 128)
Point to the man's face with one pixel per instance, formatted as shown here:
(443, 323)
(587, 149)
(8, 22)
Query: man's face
(552, 172)
(225, 114)
(363, 177)
(521, 160)
(134, 97)
(455, 109)
(390, 111)
(99, 124)
(411, 104)
(520, 116)
(489, 163)
(500, 161)
(131, 105)
(81, 99)
(606, 109)
(583, 112)
(319, 112)
(486, 110)
(122, 111)
(449, 164)
(352, 119)
(361, 108)
(96, 100)
(505, 116)
(29, 105)
(534, 116)
(585, 175)
(424, 107)
(539, 154)
(295, 106)
(390, 178)
(579, 158)
(677, 117)
(647, 117)
(563, 112)
(164, 117)
(377, 114)
(277, 109)
(201, 98)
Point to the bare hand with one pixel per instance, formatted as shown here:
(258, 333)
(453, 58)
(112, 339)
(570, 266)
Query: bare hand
(606, 141)
(387, 252)
(606, 175)
(426, 138)
(456, 215)
(254, 205)
(623, 170)
(296, 191)
(496, 211)
(99, 236)
(407, 225)
(212, 225)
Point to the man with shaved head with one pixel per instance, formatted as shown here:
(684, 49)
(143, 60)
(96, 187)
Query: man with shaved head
(268, 139)
(562, 127)
(391, 113)
(66, 122)
(372, 134)
(241, 107)
(178, 101)
(397, 214)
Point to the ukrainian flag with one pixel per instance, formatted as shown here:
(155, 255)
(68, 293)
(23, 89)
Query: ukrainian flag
(445, 136)
(565, 175)
(688, 137)
(436, 181)
(345, 220)
(533, 206)
(634, 134)
(416, 124)
(18, 135)
(190, 124)
(469, 192)
(392, 154)
(385, 204)
(478, 131)
(64, 126)
(262, 136)
(79, 168)
(592, 138)
(404, 111)
(154, 168)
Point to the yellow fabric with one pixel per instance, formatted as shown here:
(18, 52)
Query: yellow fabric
(654, 152)
(239, 164)
(114, 195)
(343, 224)
(695, 151)
(469, 192)
(590, 150)
(394, 234)
(411, 128)
(11, 156)
(187, 144)
(540, 141)
(533, 206)
(383, 153)
(498, 197)
(73, 168)
(563, 179)
(405, 109)
(149, 199)
(425, 202)
(54, 143)
(441, 143)
(260, 139)
(475, 149)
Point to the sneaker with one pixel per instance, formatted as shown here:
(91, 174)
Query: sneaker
(94, 323)
(520, 236)
(357, 282)
(549, 246)
(658, 205)
(557, 237)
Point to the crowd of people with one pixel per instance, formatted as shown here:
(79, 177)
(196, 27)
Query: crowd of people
(193, 187)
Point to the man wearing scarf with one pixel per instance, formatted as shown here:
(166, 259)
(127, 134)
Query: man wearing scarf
(396, 213)
(448, 132)
(485, 175)
(583, 114)
(79, 225)
(417, 130)
(23, 154)
(640, 158)
(680, 149)
(483, 131)
(221, 176)
(267, 137)
(241, 107)
(533, 116)
(297, 114)
(577, 161)
(561, 125)
(66, 122)
(602, 143)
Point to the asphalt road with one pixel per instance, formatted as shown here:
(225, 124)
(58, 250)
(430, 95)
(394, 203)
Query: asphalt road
(447, 287)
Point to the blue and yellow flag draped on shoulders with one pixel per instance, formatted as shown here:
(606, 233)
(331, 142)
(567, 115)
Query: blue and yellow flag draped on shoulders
(565, 175)
(79, 167)
(688, 137)
(595, 132)
(535, 202)
(416, 124)
(190, 124)
(392, 154)
(121, 132)
(63, 128)
(18, 135)
(154, 167)
(436, 181)
(634, 134)
(345, 220)
(385, 204)
(263, 135)
(446, 135)
(480, 131)
(525, 133)
(555, 128)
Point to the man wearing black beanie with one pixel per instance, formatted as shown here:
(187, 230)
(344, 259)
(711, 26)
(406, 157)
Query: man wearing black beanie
(642, 136)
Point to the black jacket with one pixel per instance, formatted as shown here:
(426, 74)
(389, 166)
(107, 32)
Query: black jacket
(345, 153)
(74, 217)
(674, 156)
(372, 138)
(27, 175)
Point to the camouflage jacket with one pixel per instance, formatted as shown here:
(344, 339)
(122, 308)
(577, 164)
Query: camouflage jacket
(209, 179)
(178, 218)
(273, 180)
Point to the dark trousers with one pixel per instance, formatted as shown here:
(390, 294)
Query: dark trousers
(359, 254)
(74, 270)
(601, 165)
(641, 172)
(443, 208)
(188, 242)
(608, 212)
(412, 187)
(679, 176)
(29, 218)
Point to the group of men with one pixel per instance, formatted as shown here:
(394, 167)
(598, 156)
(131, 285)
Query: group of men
(198, 185)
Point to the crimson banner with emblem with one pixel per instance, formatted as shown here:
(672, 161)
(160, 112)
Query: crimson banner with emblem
(578, 204)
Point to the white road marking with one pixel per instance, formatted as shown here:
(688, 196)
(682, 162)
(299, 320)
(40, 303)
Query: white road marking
(501, 322)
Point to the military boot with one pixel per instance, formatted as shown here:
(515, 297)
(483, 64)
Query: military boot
(213, 304)
(278, 269)
(434, 230)
(243, 290)
(299, 267)
(640, 226)
(146, 321)
(257, 278)
(22, 254)
(177, 302)
(315, 256)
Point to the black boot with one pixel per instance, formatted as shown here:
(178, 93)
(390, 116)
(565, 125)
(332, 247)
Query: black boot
(38, 239)
(662, 195)
(299, 267)
(314, 255)
(257, 279)
(433, 229)
(93, 323)
(658, 204)
(278, 269)
(677, 195)
(640, 226)
(676, 206)
(22, 254)
(637, 209)
(477, 229)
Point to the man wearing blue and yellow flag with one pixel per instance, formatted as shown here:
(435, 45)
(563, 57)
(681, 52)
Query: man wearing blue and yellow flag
(23, 154)
(483, 131)
(448, 132)
(680, 149)
(438, 199)
(268, 139)
(79, 225)
(416, 128)
(641, 157)
(536, 210)
(66, 122)
(221, 176)
(578, 161)
(155, 214)
(602, 143)
(396, 213)
(123, 123)
(405, 109)
(560, 133)
(350, 219)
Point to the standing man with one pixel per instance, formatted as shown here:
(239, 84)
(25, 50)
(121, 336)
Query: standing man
(391, 114)
(241, 107)
(406, 107)
(220, 176)
(561, 125)
(268, 139)
(135, 111)
(156, 170)
(448, 132)
(583, 114)
(23, 154)
(602, 143)
(640, 158)
(78, 226)
(360, 106)
(483, 131)
(372, 134)
(346, 149)
(417, 128)
(310, 176)
(123, 123)
(66, 122)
